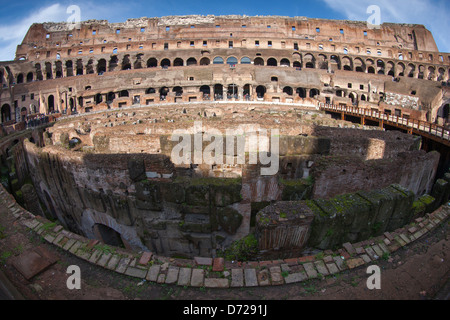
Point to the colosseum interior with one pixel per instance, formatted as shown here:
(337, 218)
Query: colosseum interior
(88, 117)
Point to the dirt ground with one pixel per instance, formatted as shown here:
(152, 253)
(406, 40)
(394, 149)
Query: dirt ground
(419, 271)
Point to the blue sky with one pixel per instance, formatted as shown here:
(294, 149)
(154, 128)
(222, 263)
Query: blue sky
(16, 17)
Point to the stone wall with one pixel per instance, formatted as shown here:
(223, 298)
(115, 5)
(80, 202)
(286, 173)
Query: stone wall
(414, 170)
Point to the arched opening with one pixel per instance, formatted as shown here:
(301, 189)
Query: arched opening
(285, 63)
(260, 92)
(352, 97)
(23, 114)
(313, 93)
(150, 91)
(232, 92)
(218, 60)
(246, 60)
(163, 92)
(165, 63)
(301, 92)
(446, 112)
(113, 63)
(51, 103)
(258, 61)
(101, 66)
(123, 93)
(79, 71)
(98, 98)
(178, 62)
(431, 73)
(126, 64)
(191, 62)
(322, 62)
(411, 70)
(30, 77)
(246, 92)
(48, 71)
(371, 70)
(19, 78)
(272, 62)
(218, 92)
(178, 91)
(138, 62)
(152, 63)
(90, 67)
(58, 69)
(232, 61)
(310, 61)
(340, 93)
(110, 97)
(205, 61)
(288, 90)
(206, 92)
(296, 64)
(69, 68)
(363, 97)
(108, 235)
(6, 113)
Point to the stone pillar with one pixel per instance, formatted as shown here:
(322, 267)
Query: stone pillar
(283, 229)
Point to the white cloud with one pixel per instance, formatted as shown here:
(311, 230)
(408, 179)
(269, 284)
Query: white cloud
(12, 35)
(432, 14)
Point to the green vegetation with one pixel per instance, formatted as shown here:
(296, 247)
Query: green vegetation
(242, 250)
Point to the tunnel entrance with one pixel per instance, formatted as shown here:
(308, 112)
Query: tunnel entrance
(108, 235)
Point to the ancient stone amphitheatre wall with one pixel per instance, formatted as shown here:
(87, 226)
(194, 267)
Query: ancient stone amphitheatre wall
(122, 174)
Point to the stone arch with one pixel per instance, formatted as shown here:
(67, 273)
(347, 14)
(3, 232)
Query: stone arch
(359, 65)
(411, 70)
(322, 62)
(30, 77)
(128, 234)
(163, 92)
(441, 74)
(126, 63)
(19, 79)
(90, 67)
(205, 90)
(191, 62)
(205, 61)
(69, 68)
(309, 61)
(165, 63)
(258, 61)
(353, 96)
(288, 90)
(178, 62)
(48, 71)
(218, 91)
(285, 62)
(6, 112)
(272, 62)
(152, 63)
(138, 61)
(150, 91)
(421, 74)
(178, 91)
(218, 60)
(101, 66)
(79, 67)
(390, 67)
(347, 63)
(124, 93)
(246, 60)
(380, 66)
(58, 69)
(51, 103)
(431, 73)
(98, 98)
(260, 91)
(232, 61)
(314, 92)
(301, 92)
(401, 69)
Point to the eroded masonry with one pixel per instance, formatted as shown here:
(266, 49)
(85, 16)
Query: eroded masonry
(88, 117)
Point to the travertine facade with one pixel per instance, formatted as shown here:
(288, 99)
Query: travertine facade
(194, 58)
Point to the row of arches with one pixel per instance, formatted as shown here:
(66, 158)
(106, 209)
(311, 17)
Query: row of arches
(308, 60)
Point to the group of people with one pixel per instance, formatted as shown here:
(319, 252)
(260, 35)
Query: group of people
(36, 121)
